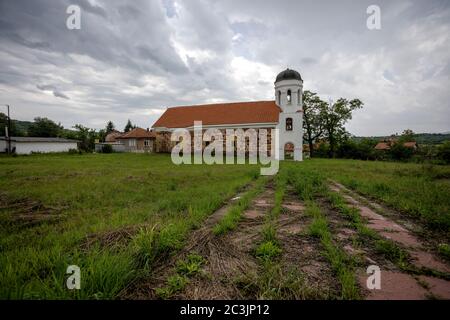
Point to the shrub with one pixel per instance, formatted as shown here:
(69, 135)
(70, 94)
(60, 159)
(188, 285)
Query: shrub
(74, 151)
(399, 152)
(444, 152)
(107, 148)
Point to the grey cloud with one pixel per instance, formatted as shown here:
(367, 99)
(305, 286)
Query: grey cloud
(54, 90)
(131, 57)
(88, 7)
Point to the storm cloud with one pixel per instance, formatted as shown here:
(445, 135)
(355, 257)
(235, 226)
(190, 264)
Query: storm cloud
(134, 59)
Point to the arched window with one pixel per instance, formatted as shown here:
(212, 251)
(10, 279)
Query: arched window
(279, 97)
(289, 97)
(298, 96)
(288, 124)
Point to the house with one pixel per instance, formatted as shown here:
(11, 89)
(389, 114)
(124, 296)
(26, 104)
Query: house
(137, 140)
(113, 135)
(387, 144)
(284, 113)
(27, 145)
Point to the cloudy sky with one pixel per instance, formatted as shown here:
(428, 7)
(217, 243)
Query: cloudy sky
(132, 59)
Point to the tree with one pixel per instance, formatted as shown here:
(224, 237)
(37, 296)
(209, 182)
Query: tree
(312, 122)
(407, 135)
(333, 117)
(86, 137)
(129, 126)
(101, 135)
(399, 152)
(13, 131)
(110, 127)
(44, 127)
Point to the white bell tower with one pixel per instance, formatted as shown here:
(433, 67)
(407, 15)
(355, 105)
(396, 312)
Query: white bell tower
(289, 97)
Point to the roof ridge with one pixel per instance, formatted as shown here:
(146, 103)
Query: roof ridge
(219, 103)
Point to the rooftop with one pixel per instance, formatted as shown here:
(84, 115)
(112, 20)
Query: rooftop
(220, 114)
(288, 74)
(137, 133)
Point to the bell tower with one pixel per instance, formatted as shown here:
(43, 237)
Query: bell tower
(289, 97)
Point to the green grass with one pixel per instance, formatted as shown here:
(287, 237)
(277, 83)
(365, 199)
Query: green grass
(185, 270)
(268, 250)
(416, 190)
(310, 185)
(175, 283)
(97, 194)
(339, 260)
(191, 265)
(234, 215)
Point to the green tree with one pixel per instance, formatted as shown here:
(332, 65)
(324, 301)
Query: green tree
(44, 127)
(399, 152)
(13, 131)
(110, 127)
(129, 126)
(312, 122)
(101, 135)
(406, 136)
(86, 137)
(333, 117)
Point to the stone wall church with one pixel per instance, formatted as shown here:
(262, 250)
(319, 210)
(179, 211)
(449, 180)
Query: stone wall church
(284, 113)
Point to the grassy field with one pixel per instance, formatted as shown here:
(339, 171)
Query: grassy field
(416, 190)
(108, 197)
(114, 215)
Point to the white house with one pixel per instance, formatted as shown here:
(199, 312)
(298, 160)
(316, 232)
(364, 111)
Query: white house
(284, 113)
(27, 145)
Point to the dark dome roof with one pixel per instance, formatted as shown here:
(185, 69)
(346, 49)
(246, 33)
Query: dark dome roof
(288, 74)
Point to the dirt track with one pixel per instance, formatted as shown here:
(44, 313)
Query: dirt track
(231, 270)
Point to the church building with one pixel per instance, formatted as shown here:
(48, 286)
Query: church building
(284, 113)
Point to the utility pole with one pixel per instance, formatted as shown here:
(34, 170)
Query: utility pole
(7, 131)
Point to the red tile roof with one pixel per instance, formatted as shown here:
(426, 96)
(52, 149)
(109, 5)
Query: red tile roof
(220, 114)
(382, 146)
(390, 143)
(410, 144)
(112, 136)
(137, 133)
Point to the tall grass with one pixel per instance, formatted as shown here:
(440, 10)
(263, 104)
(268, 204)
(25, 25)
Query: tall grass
(418, 191)
(97, 194)
(310, 185)
(234, 215)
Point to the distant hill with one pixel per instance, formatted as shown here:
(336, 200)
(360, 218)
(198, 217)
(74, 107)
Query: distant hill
(421, 138)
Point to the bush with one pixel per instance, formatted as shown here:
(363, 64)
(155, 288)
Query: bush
(399, 152)
(444, 152)
(363, 150)
(74, 151)
(107, 148)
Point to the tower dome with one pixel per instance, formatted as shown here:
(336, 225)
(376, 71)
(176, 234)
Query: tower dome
(288, 74)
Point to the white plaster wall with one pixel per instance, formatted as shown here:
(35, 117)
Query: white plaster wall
(28, 147)
(290, 110)
(3, 145)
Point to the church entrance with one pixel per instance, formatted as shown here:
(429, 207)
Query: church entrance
(289, 151)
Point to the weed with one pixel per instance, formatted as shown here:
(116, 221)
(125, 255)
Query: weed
(268, 250)
(175, 283)
(191, 265)
(444, 251)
